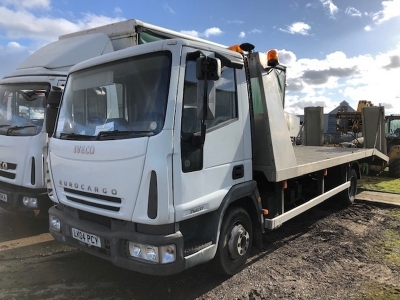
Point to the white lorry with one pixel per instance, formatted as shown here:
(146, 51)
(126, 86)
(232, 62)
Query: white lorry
(24, 99)
(174, 153)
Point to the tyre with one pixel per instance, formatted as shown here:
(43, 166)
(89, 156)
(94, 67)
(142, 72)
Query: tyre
(394, 168)
(234, 243)
(349, 195)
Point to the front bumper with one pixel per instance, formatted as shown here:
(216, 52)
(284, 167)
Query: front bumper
(11, 199)
(114, 240)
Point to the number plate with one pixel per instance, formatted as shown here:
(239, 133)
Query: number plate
(86, 238)
(3, 197)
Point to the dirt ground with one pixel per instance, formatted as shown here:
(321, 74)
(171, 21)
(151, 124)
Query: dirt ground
(326, 253)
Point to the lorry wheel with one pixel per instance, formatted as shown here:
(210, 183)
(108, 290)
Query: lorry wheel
(394, 168)
(234, 243)
(349, 195)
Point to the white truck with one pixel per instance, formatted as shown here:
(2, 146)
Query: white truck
(24, 99)
(174, 153)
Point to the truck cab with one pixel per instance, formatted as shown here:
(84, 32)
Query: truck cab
(127, 152)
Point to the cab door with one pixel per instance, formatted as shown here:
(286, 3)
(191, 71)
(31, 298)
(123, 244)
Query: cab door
(203, 174)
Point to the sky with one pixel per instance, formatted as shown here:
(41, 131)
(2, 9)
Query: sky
(334, 50)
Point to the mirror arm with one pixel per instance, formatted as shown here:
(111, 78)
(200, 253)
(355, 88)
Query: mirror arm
(205, 108)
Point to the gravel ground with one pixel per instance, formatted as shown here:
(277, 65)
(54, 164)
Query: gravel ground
(326, 253)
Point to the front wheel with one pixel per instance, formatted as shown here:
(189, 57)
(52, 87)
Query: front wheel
(234, 243)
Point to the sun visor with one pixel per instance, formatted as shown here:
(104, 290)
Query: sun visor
(68, 52)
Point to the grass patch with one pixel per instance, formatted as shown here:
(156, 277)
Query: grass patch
(387, 250)
(380, 183)
(380, 292)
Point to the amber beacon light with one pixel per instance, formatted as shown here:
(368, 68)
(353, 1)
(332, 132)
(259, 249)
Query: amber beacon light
(272, 56)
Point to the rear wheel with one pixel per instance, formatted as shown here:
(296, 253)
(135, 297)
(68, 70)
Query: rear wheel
(394, 168)
(349, 195)
(234, 243)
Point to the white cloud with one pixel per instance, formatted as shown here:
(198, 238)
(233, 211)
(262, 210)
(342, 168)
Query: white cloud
(242, 34)
(15, 47)
(367, 28)
(24, 24)
(212, 31)
(235, 22)
(207, 33)
(118, 10)
(29, 4)
(333, 9)
(286, 57)
(338, 77)
(391, 9)
(255, 30)
(297, 28)
(169, 8)
(92, 20)
(353, 12)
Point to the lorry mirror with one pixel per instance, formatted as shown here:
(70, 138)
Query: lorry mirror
(54, 97)
(51, 116)
(53, 102)
(206, 99)
(208, 68)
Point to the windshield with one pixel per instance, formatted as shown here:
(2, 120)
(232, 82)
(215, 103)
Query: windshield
(122, 99)
(392, 126)
(22, 108)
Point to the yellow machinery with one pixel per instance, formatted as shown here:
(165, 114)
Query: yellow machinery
(351, 121)
(392, 130)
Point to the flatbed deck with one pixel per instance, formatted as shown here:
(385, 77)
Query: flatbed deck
(314, 158)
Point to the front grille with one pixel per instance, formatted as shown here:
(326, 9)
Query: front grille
(101, 220)
(10, 166)
(93, 200)
(5, 167)
(7, 174)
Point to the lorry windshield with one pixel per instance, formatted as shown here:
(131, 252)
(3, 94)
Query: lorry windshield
(22, 108)
(118, 100)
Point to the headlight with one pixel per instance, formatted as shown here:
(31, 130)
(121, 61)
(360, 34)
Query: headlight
(134, 250)
(163, 254)
(168, 254)
(152, 253)
(30, 202)
(54, 223)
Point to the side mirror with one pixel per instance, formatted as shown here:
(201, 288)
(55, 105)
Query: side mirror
(208, 68)
(53, 102)
(54, 97)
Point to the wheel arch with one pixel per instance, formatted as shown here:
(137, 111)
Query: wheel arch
(245, 195)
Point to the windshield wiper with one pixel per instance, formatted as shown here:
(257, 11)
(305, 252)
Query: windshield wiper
(74, 136)
(108, 135)
(11, 129)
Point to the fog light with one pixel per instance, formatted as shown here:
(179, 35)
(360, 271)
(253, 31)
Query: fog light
(168, 254)
(30, 202)
(151, 253)
(134, 250)
(54, 223)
